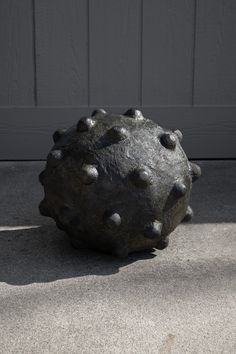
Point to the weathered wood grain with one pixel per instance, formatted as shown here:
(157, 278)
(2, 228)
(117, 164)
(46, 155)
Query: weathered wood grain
(115, 52)
(16, 53)
(61, 52)
(160, 55)
(215, 55)
(168, 32)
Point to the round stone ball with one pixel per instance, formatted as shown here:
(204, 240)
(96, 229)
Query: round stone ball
(117, 183)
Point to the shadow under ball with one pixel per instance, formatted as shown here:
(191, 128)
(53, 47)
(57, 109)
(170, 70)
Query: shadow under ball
(117, 183)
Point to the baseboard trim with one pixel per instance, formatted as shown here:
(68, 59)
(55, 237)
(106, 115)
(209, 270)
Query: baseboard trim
(209, 131)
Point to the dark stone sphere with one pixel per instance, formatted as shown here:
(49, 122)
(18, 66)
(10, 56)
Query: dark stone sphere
(117, 183)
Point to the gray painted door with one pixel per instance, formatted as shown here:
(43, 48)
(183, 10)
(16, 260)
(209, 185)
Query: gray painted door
(175, 60)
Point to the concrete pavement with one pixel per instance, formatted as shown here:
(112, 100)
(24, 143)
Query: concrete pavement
(55, 299)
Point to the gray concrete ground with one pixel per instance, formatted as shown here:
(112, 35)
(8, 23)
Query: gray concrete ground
(54, 299)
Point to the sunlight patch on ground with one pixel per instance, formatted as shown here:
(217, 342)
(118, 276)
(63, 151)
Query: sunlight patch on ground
(16, 228)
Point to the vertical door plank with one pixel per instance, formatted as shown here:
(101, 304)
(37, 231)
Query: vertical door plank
(168, 33)
(115, 52)
(215, 61)
(16, 57)
(61, 47)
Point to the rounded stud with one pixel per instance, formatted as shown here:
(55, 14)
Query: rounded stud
(162, 244)
(134, 113)
(195, 171)
(89, 174)
(99, 111)
(188, 214)
(58, 134)
(112, 220)
(153, 229)
(179, 134)
(141, 178)
(54, 157)
(117, 134)
(169, 140)
(44, 209)
(42, 177)
(85, 124)
(179, 189)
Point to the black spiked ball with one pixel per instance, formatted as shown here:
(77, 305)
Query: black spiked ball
(118, 183)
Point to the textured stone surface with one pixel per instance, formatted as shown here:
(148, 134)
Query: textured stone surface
(117, 183)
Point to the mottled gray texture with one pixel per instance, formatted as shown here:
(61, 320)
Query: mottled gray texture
(118, 183)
